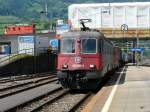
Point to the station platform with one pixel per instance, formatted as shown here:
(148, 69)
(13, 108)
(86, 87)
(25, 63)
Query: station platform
(126, 91)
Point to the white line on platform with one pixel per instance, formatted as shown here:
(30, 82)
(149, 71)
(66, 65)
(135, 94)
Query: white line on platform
(110, 98)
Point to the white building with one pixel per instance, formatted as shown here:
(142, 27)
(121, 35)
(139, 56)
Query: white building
(109, 17)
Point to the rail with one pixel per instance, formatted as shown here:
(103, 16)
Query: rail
(26, 86)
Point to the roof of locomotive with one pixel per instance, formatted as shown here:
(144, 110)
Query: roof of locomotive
(84, 34)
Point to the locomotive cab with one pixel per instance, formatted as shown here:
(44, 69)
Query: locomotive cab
(75, 51)
(80, 59)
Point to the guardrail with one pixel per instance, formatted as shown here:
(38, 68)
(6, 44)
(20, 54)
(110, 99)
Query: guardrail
(16, 55)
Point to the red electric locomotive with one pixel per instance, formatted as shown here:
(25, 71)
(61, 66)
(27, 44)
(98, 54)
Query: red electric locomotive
(84, 59)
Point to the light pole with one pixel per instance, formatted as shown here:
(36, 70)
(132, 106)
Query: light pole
(137, 38)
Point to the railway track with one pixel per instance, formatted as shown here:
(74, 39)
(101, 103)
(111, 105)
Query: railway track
(58, 100)
(39, 102)
(84, 103)
(7, 91)
(11, 85)
(65, 102)
(24, 77)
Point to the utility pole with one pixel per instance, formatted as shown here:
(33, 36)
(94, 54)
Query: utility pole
(44, 12)
(35, 52)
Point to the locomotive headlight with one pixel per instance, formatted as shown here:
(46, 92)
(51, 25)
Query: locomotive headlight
(65, 66)
(92, 66)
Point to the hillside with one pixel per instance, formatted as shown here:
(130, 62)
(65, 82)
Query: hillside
(31, 9)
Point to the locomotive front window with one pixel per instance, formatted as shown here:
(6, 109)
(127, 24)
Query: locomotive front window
(68, 46)
(88, 46)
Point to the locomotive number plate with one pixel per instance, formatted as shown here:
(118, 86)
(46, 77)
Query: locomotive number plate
(78, 66)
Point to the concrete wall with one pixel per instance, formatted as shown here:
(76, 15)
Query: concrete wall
(29, 65)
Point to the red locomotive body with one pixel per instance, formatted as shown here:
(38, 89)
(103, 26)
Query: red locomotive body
(80, 62)
(84, 59)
